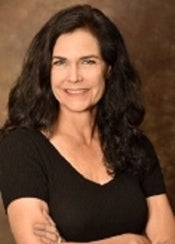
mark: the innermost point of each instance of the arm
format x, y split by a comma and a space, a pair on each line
123, 239
160, 228
161, 222
42, 230
23, 213
46, 230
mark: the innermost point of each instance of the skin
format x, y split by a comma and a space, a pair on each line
78, 82
78, 72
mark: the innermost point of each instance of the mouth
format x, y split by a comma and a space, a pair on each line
77, 91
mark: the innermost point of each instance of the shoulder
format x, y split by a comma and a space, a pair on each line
142, 146
150, 154
19, 133
142, 141
152, 179
23, 170
22, 138
21, 145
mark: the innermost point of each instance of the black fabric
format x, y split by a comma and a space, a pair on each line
82, 210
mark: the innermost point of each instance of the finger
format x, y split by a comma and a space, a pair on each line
52, 237
48, 236
44, 241
39, 226
48, 232
39, 232
45, 227
47, 241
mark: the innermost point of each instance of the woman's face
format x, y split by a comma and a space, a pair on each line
78, 71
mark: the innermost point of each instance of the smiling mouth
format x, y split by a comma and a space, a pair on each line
76, 91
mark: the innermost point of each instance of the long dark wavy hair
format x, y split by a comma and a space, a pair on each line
120, 111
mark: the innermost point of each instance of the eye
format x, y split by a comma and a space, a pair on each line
58, 62
89, 61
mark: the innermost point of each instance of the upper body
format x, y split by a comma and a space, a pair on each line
81, 157
114, 206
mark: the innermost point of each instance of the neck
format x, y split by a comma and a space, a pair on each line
81, 126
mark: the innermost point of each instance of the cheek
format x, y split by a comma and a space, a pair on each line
55, 83
98, 76
101, 79
102, 82
100, 85
55, 79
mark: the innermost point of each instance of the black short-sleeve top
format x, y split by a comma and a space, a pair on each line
30, 166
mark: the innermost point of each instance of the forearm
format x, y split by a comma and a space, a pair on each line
51, 234
119, 239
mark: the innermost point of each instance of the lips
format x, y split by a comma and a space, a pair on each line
77, 91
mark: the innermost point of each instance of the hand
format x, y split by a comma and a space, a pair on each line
48, 231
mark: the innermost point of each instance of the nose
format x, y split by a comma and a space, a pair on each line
74, 74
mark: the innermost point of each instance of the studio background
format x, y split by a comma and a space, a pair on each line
148, 27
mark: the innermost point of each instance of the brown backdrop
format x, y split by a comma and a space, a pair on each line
149, 32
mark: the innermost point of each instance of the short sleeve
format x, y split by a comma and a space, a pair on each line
152, 180
21, 171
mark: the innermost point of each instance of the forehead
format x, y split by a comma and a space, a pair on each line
78, 41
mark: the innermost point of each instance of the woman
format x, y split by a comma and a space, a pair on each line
75, 166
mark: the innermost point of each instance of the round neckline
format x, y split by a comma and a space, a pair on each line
73, 169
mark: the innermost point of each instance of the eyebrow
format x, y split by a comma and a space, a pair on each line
58, 57
83, 57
